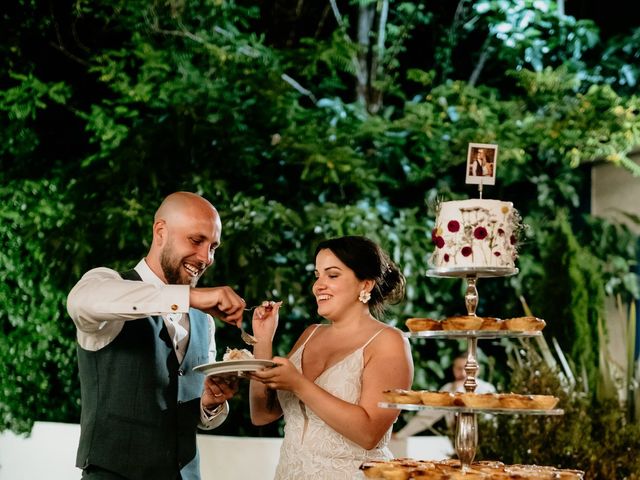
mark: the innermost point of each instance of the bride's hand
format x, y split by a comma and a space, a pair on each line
265, 320
284, 376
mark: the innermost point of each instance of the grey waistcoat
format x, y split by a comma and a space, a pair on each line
140, 409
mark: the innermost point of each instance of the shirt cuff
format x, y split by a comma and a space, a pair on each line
176, 298
210, 419
157, 300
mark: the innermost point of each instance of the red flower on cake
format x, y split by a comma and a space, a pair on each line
497, 254
500, 232
480, 233
434, 234
466, 251
446, 257
453, 226
439, 241
513, 239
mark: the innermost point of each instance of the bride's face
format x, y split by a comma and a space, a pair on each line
336, 287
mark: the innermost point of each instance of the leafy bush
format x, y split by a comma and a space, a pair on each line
128, 101
38, 371
593, 435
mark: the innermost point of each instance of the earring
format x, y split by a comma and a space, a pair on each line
364, 296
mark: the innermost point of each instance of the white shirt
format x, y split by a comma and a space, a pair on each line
102, 301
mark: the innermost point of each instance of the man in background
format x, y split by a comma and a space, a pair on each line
425, 419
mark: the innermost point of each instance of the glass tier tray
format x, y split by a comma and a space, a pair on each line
484, 272
508, 411
471, 333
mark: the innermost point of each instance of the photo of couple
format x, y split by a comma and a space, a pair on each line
481, 163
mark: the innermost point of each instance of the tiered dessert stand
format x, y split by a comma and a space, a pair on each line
466, 437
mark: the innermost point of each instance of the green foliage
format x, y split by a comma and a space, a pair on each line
617, 246
38, 373
19, 107
128, 101
533, 34
612, 122
593, 436
573, 297
619, 66
619, 375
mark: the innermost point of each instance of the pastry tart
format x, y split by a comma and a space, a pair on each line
402, 396
436, 399
462, 322
480, 400
524, 324
423, 324
491, 323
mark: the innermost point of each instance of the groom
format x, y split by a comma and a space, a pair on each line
140, 333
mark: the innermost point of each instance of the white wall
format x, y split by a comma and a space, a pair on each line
49, 453
614, 193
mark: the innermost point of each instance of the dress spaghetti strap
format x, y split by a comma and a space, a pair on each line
318, 325
371, 339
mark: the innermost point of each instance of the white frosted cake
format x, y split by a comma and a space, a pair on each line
237, 354
476, 233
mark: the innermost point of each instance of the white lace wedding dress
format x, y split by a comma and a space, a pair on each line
311, 450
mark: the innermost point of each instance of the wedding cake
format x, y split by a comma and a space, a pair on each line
475, 233
237, 354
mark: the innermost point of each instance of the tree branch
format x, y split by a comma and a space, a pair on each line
382, 29
336, 13
361, 73
299, 87
486, 50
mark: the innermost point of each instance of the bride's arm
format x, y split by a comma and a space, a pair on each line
263, 401
388, 365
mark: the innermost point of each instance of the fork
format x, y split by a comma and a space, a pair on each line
247, 337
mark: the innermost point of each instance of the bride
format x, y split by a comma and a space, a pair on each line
329, 386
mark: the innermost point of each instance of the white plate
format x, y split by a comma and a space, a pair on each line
233, 367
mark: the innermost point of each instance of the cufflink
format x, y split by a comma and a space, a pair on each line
174, 307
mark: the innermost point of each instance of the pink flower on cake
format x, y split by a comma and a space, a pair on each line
480, 233
466, 251
453, 226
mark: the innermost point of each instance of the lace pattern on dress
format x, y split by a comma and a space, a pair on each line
311, 450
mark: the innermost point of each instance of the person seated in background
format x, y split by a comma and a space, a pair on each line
329, 386
425, 419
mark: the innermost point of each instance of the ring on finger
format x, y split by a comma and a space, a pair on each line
217, 395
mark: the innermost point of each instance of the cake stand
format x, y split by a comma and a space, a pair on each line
466, 437
471, 275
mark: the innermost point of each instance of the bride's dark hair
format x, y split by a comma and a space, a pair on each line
369, 262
